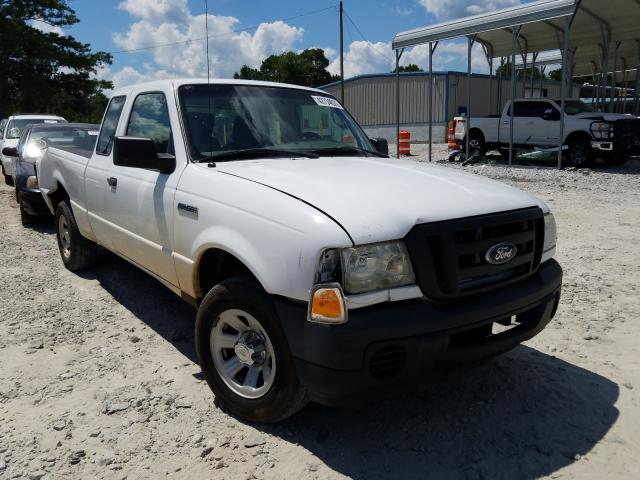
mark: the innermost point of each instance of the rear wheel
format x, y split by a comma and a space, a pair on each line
8, 179
477, 145
244, 353
580, 153
77, 252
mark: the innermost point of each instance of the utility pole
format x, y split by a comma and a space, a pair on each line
341, 57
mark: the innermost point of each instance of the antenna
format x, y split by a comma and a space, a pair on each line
206, 29
210, 113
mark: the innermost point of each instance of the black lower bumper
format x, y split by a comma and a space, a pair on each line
32, 202
393, 342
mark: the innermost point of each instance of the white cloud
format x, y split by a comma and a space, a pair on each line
172, 11
46, 28
164, 22
448, 9
364, 57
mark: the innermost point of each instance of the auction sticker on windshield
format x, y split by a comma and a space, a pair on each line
327, 102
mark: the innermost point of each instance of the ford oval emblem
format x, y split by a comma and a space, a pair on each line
501, 253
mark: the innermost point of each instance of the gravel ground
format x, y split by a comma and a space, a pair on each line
98, 376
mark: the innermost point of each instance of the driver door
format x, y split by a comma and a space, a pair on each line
140, 202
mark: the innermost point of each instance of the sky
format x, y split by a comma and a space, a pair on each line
153, 39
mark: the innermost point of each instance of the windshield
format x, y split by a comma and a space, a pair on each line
65, 136
223, 120
573, 107
15, 127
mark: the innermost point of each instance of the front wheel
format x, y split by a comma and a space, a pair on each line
580, 153
244, 353
77, 252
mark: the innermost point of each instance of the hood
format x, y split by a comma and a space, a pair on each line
382, 199
609, 117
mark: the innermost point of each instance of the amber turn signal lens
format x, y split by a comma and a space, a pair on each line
327, 306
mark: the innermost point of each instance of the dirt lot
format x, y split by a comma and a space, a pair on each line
98, 376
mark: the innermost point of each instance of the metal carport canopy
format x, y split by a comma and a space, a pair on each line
493, 28
541, 26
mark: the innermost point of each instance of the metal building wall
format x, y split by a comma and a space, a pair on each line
371, 98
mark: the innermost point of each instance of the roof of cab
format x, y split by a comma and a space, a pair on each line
35, 116
203, 81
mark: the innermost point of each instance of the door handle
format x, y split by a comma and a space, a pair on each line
112, 181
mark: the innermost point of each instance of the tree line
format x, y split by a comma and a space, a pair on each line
46, 72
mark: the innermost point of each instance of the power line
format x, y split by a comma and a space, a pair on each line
373, 46
238, 30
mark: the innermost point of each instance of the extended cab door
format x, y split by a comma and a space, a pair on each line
96, 186
529, 126
139, 206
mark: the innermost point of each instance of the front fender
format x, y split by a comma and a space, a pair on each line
277, 237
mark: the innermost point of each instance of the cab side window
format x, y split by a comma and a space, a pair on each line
109, 125
150, 119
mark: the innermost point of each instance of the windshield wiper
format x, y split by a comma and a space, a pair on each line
248, 153
346, 150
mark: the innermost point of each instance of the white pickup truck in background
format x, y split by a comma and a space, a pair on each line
588, 134
321, 269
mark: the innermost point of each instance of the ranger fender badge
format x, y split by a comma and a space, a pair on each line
501, 253
188, 208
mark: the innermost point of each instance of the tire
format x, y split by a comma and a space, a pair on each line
477, 145
77, 252
580, 154
277, 392
8, 179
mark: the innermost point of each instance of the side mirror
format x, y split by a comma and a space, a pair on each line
381, 145
137, 152
10, 151
551, 114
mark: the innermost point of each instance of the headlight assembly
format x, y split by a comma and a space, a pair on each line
372, 267
550, 233
602, 130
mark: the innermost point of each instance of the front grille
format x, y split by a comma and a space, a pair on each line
626, 134
449, 257
387, 361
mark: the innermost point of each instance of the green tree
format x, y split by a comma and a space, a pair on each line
412, 67
521, 73
308, 68
45, 71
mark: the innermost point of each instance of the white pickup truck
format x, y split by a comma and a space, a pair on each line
321, 269
588, 134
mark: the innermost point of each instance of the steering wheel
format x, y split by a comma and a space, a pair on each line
310, 136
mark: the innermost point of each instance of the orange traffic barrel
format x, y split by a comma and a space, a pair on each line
405, 142
451, 136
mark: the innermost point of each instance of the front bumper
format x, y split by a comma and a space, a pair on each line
602, 146
394, 343
32, 202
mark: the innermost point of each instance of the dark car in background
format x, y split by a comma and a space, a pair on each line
34, 141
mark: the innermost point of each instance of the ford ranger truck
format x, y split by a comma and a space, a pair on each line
321, 269
588, 134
